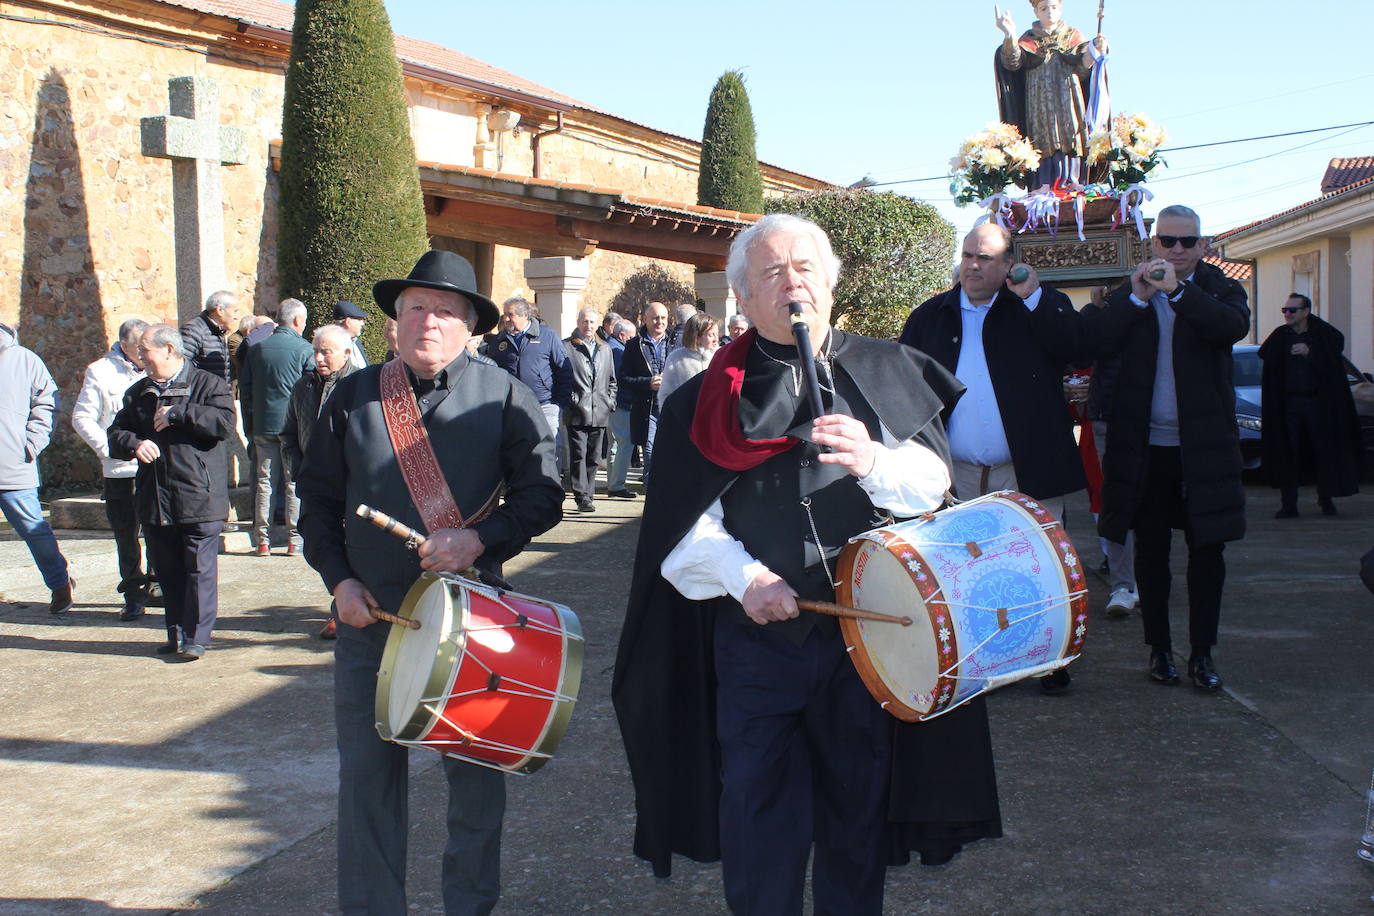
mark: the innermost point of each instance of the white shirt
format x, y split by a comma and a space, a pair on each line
976, 434
906, 479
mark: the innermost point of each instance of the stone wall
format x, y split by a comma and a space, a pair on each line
88, 239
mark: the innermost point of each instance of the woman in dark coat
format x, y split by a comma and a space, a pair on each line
1309, 419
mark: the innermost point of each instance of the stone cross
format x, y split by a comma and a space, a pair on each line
191, 136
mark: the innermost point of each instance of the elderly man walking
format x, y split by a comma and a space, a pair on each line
332, 347
269, 373
28, 398
473, 442
101, 397
589, 405
175, 422
1175, 456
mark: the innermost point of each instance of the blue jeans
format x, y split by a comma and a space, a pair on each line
620, 452
22, 510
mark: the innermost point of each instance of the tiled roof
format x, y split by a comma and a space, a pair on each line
275, 15
1361, 185
632, 200
1342, 173
1236, 270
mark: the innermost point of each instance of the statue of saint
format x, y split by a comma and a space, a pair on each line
1042, 87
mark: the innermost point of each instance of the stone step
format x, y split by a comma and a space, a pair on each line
87, 513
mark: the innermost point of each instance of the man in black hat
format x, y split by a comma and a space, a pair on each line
351, 318
495, 453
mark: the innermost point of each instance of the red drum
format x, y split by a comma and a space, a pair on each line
490, 677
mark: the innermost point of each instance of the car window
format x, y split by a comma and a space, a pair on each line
1246, 369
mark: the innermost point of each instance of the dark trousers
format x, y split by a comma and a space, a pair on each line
187, 561
373, 815
584, 448
1163, 506
118, 495
805, 760
1303, 418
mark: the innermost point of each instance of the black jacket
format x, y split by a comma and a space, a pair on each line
302, 410
593, 384
207, 346
1027, 354
189, 483
637, 369
1337, 444
1211, 315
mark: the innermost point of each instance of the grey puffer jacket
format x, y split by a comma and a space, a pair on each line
28, 400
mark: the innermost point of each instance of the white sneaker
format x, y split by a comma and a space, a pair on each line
1121, 603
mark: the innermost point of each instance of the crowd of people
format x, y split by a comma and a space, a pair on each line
751, 737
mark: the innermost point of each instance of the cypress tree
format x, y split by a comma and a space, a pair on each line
730, 176
351, 208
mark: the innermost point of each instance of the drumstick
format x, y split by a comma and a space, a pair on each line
414, 539
844, 610
406, 622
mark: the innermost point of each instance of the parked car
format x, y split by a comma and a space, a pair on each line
1246, 370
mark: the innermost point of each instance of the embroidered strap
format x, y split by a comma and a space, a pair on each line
415, 454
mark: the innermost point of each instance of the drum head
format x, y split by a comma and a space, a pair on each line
897, 663
417, 664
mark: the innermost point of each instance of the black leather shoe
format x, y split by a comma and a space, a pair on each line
1327, 507
1162, 667
133, 609
1204, 673
1286, 512
1057, 681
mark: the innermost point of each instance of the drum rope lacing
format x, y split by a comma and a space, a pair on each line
1052, 605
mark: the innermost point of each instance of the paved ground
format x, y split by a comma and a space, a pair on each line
129, 784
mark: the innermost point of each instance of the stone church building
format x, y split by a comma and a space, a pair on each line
107, 217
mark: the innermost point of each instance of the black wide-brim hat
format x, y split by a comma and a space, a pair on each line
446, 271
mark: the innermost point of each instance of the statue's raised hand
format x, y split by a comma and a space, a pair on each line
1005, 22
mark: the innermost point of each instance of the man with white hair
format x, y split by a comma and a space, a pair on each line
101, 397
590, 403
461, 451
772, 751
270, 371
736, 326
174, 422
206, 335
621, 443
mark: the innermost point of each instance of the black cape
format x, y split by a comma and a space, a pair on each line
1337, 450
944, 790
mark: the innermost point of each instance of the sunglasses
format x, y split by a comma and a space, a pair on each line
1288, 310
1169, 241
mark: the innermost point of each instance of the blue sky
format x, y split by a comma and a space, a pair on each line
888, 89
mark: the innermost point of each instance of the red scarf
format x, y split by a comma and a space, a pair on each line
716, 429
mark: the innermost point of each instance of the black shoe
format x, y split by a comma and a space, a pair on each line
1056, 681
61, 601
1287, 512
1327, 506
620, 494
586, 505
170, 647
133, 609
1162, 667
1204, 673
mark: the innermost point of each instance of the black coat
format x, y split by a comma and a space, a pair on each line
637, 369
1027, 354
302, 410
1210, 316
944, 790
207, 346
1337, 444
189, 483
592, 397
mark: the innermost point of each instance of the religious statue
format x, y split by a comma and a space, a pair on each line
1044, 80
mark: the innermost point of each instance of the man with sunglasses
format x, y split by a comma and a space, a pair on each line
1309, 421
1175, 456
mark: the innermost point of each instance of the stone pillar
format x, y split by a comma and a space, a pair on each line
714, 290
558, 285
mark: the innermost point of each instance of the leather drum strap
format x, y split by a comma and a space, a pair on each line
414, 453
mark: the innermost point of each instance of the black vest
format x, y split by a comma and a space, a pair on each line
764, 506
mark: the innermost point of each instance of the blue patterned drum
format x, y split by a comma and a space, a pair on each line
996, 592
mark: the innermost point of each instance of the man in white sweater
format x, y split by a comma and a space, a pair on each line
102, 394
